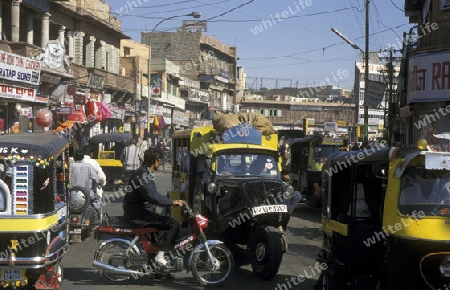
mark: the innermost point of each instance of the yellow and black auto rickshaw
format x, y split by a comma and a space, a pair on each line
307, 156
33, 209
106, 150
386, 219
233, 178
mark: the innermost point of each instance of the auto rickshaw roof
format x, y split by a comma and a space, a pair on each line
305, 139
111, 137
369, 155
33, 144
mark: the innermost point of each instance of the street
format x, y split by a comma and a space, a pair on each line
303, 234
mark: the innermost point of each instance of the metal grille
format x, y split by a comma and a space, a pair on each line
262, 192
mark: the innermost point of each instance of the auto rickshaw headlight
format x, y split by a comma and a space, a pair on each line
290, 189
421, 144
288, 192
445, 267
212, 187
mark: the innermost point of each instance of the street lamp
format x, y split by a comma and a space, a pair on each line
366, 69
193, 14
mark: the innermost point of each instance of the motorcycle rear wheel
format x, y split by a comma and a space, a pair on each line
113, 254
201, 266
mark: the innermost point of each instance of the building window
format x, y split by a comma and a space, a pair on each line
126, 51
444, 4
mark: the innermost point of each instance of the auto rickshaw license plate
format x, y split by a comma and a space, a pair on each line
269, 209
12, 274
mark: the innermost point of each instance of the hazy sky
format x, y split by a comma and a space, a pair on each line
286, 40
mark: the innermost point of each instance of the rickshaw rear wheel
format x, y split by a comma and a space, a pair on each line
266, 252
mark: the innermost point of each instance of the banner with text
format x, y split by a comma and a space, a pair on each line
18, 68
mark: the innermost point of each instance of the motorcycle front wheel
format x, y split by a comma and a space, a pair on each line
114, 254
203, 270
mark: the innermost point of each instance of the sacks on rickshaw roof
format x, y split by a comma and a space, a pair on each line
222, 122
259, 122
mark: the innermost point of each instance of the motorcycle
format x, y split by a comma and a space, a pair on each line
131, 251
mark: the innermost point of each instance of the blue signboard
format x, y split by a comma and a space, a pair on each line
63, 110
243, 133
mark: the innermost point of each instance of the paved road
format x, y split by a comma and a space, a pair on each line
304, 238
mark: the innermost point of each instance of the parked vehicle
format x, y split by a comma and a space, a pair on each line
246, 204
385, 219
307, 156
106, 150
130, 252
33, 210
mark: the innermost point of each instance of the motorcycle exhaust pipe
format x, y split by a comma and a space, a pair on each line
129, 272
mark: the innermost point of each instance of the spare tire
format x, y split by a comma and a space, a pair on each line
79, 199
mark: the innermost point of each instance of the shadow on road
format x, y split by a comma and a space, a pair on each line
90, 276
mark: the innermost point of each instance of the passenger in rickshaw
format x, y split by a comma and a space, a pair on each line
416, 189
84, 175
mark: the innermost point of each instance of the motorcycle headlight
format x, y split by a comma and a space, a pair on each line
445, 267
212, 187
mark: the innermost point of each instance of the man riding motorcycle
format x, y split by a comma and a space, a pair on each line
141, 201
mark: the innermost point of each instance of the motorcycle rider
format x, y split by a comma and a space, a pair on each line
83, 174
141, 201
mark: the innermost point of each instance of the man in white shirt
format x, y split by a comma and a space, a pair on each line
98, 169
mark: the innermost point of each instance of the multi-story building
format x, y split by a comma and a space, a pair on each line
287, 107
77, 44
425, 90
208, 70
165, 99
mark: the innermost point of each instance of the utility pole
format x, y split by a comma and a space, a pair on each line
366, 77
392, 102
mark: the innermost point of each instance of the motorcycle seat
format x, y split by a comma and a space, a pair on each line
120, 222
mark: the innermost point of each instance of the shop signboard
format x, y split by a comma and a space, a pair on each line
17, 68
18, 93
428, 77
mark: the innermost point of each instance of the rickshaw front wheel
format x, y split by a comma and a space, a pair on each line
266, 252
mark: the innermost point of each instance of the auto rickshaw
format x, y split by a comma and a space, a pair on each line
106, 150
233, 178
307, 156
386, 219
33, 210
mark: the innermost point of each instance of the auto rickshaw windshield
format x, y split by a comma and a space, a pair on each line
245, 164
425, 190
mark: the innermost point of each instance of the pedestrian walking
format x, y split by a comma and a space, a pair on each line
130, 157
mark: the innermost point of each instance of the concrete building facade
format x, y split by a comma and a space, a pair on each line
208, 70
77, 43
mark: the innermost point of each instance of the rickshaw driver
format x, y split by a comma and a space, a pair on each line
222, 166
140, 203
